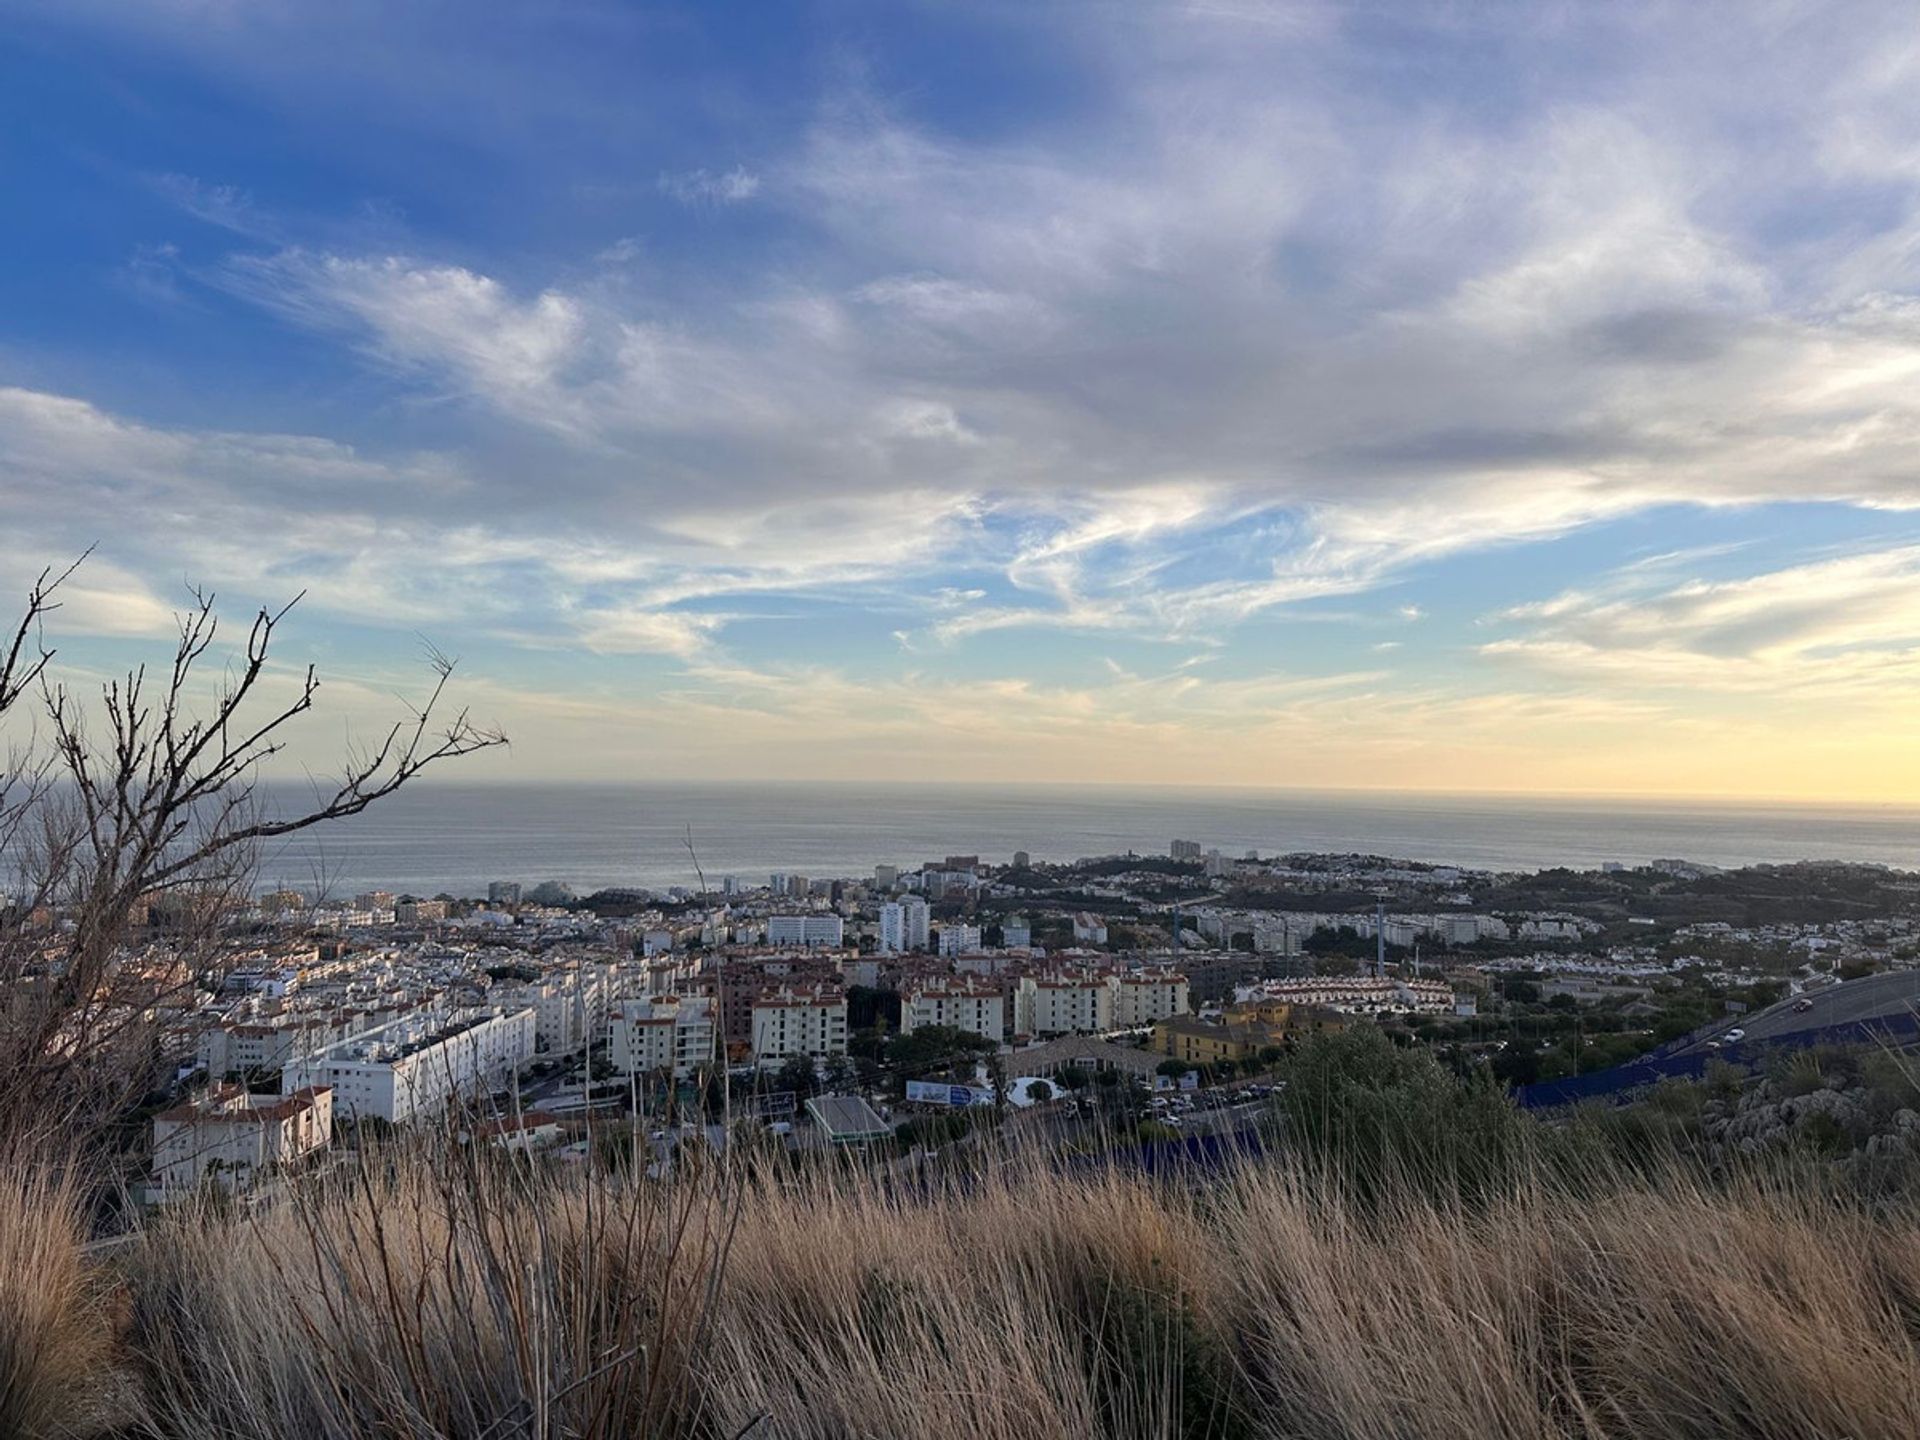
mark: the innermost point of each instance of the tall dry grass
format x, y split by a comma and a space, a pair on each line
56, 1344
435, 1293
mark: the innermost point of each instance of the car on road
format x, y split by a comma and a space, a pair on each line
1734, 1036
1803, 1004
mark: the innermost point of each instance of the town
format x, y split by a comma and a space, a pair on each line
1132, 998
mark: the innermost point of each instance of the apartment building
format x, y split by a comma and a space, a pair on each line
893, 928
665, 1034
1063, 1003
414, 1067
787, 1022
569, 1006
978, 1007
1142, 997
958, 939
808, 931
916, 919
229, 1137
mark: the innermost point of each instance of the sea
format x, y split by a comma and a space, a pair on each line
456, 838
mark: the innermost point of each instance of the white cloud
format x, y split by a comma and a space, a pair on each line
226, 206
1847, 624
514, 354
704, 187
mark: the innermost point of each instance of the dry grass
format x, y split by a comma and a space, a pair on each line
440, 1297
55, 1334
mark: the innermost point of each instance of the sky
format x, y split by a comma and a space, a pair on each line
1415, 396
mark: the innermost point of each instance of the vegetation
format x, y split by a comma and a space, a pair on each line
442, 1292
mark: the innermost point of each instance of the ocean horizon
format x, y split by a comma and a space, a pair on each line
456, 837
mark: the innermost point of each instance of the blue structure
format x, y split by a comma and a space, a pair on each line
1665, 1063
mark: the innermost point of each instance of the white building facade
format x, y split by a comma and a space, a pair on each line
799, 1022
809, 931
415, 1067
978, 1008
667, 1034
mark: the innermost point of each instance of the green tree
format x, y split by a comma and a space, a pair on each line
797, 1074
1378, 1115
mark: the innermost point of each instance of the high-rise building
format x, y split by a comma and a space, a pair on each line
917, 922
885, 877
893, 928
503, 892
1021, 860
1185, 850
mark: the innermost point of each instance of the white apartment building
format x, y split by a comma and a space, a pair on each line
811, 931
1068, 1003
1016, 933
1281, 939
971, 1005
893, 928
223, 1049
916, 918
1145, 997
1089, 929
956, 939
569, 1007
667, 1033
232, 1136
414, 1067
1343, 992
1075, 1002
799, 1022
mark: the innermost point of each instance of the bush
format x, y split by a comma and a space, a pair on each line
1376, 1114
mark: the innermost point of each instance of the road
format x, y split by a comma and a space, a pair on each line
1870, 998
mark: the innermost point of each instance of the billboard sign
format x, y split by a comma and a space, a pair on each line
938, 1092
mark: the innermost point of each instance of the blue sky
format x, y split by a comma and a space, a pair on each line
1433, 396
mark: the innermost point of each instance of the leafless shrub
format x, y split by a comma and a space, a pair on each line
145, 805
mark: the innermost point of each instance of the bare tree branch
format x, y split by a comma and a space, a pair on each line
154, 805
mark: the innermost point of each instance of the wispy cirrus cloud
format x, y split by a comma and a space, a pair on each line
706, 187
1232, 313
1841, 625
